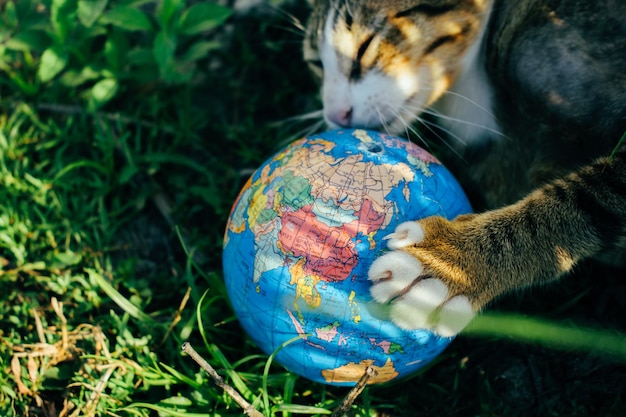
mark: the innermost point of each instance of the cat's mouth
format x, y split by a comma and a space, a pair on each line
392, 124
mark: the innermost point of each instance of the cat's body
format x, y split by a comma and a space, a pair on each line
531, 93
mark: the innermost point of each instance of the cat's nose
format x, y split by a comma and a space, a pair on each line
340, 117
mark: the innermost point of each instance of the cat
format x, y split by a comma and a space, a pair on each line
532, 94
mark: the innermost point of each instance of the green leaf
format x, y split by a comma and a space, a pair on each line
178, 401
90, 10
73, 78
162, 411
166, 10
201, 17
65, 259
127, 173
116, 49
9, 17
62, 14
28, 40
128, 307
103, 91
200, 50
134, 3
163, 50
301, 409
619, 144
26, 86
53, 61
127, 18
141, 56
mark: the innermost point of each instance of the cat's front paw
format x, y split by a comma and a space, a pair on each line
421, 289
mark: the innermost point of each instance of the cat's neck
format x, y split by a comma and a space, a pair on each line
466, 109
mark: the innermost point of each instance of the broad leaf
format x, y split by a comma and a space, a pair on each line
9, 16
201, 17
200, 50
73, 78
53, 61
127, 18
28, 40
164, 48
90, 10
116, 49
167, 9
103, 91
62, 15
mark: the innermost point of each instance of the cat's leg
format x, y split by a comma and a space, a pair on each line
439, 273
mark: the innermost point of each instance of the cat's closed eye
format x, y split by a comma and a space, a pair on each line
357, 65
426, 9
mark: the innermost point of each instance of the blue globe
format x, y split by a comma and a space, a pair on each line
299, 242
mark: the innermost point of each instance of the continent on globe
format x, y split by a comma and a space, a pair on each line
352, 372
300, 239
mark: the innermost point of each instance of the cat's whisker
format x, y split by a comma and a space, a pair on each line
296, 24
288, 41
409, 129
304, 132
420, 110
315, 114
461, 121
384, 125
469, 100
433, 127
292, 123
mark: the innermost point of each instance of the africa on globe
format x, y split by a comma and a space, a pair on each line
301, 237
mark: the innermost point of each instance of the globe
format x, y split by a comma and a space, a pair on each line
299, 241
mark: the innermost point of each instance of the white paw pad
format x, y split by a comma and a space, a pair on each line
406, 234
414, 310
391, 274
454, 315
425, 307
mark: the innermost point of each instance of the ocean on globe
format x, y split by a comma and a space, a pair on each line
300, 239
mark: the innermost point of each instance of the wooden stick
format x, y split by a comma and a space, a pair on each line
248, 409
354, 392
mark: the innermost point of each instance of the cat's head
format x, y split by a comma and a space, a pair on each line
383, 61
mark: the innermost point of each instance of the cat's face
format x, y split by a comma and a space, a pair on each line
383, 61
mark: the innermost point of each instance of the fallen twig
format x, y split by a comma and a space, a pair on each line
354, 392
248, 409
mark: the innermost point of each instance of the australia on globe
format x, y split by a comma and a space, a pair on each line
300, 239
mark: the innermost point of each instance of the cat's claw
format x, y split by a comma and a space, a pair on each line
406, 234
417, 300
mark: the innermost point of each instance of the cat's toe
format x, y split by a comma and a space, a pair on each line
417, 301
453, 316
406, 234
392, 274
426, 306
417, 307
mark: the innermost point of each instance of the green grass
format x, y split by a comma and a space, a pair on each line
119, 161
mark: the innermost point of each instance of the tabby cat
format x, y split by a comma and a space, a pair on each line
532, 94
